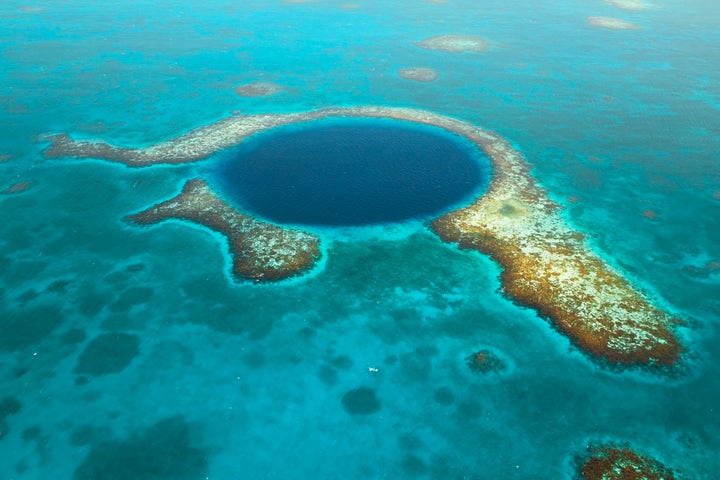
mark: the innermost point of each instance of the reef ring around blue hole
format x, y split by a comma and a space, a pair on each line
351, 172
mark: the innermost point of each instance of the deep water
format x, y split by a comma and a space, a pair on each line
130, 352
352, 172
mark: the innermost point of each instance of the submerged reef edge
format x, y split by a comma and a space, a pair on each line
547, 265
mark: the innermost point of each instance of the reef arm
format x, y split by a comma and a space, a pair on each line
197, 144
261, 251
550, 267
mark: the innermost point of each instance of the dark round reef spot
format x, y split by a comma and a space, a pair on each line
164, 451
361, 401
108, 353
347, 172
26, 326
9, 406
444, 396
484, 361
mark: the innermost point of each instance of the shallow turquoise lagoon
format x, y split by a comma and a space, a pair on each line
130, 353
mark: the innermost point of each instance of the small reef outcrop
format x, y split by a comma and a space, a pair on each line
16, 188
258, 89
617, 462
485, 361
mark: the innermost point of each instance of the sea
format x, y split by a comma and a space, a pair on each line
132, 352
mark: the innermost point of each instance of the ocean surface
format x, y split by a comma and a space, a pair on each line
132, 353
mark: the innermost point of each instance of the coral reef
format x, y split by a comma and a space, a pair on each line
258, 89
484, 361
260, 251
108, 353
547, 265
164, 451
16, 188
361, 401
615, 462
8, 406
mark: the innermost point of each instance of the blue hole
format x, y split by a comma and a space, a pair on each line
351, 172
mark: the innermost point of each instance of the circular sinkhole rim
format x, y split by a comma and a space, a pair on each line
466, 146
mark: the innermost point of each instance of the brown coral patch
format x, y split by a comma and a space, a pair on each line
16, 188
549, 267
639, 334
260, 251
649, 214
612, 462
258, 89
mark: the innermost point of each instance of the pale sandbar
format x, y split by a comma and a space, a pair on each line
611, 23
629, 5
454, 43
418, 74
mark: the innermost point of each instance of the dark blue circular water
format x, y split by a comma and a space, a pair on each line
354, 172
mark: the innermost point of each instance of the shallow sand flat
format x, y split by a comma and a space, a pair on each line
453, 43
258, 89
547, 264
419, 74
630, 5
611, 23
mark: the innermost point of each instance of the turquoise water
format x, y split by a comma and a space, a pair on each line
128, 352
